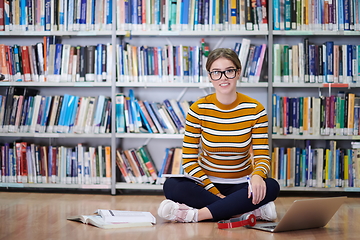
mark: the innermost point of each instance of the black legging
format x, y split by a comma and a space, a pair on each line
183, 190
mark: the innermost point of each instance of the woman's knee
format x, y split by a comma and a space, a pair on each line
273, 186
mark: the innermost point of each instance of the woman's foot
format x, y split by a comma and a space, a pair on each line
266, 212
173, 211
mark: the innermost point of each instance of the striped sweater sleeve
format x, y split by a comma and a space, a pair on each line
260, 143
191, 146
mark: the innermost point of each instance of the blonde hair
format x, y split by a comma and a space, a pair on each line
222, 53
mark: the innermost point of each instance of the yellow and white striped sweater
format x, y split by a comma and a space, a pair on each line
218, 139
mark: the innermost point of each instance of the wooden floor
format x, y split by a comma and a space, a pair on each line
43, 216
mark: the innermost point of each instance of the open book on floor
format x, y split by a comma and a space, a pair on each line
108, 219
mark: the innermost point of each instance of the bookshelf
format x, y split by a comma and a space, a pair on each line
158, 91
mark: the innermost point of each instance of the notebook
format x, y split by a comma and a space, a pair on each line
305, 214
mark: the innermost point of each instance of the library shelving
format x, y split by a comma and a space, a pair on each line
155, 34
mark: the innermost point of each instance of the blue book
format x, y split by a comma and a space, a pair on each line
134, 111
349, 58
330, 61
312, 63
153, 116
98, 62
197, 14
287, 18
109, 6
71, 103
119, 113
47, 18
74, 167
63, 111
17, 73
23, 15
167, 150
143, 118
94, 11
254, 62
355, 63
12, 164
82, 20
73, 110
127, 11
347, 14
303, 165
281, 169
297, 167
173, 115
6, 16
145, 51
57, 62
98, 113
160, 61
46, 114
29, 114
276, 14
158, 116
184, 16
156, 12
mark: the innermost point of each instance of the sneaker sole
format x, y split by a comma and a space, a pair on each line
162, 206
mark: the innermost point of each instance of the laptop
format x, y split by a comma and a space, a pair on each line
305, 214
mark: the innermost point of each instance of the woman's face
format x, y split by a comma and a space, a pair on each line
218, 70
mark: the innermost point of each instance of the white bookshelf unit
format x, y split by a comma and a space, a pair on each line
158, 91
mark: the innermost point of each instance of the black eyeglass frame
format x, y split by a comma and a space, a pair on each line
223, 73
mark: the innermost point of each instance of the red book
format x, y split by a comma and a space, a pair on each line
19, 167
24, 170
25, 63
53, 163
264, 12
4, 62
156, 62
9, 61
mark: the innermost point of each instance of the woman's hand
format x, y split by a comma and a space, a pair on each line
258, 189
220, 195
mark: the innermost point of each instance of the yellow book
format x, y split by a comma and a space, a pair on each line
177, 161
108, 164
135, 64
350, 110
233, 12
326, 167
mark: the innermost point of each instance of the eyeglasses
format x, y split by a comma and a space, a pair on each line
217, 75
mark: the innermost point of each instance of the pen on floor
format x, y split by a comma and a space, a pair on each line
248, 180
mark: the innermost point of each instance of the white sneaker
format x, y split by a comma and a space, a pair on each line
266, 212
173, 211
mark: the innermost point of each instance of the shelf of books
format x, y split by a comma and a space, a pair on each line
54, 33
56, 84
193, 33
185, 85
68, 49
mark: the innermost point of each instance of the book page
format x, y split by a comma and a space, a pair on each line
126, 216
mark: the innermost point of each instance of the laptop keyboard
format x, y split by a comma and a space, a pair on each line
270, 227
